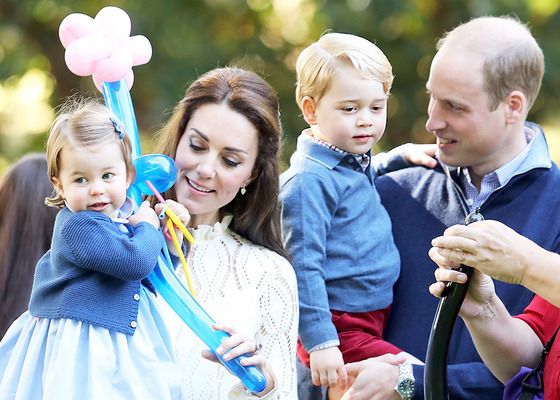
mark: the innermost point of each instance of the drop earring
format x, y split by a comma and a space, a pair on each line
243, 190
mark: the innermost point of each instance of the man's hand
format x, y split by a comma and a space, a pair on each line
374, 378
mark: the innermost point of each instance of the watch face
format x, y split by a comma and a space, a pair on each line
406, 387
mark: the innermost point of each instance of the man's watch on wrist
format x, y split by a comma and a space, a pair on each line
405, 383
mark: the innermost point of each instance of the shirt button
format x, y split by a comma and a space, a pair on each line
133, 324
136, 297
470, 202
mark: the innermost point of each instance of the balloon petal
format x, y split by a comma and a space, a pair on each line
82, 54
97, 82
115, 23
76, 26
140, 48
114, 68
129, 79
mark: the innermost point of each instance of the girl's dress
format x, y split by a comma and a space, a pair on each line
253, 289
93, 330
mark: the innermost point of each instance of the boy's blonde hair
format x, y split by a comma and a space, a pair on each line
317, 63
83, 122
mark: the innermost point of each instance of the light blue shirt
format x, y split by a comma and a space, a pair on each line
500, 177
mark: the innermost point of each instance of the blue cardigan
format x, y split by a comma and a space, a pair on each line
422, 203
93, 271
339, 237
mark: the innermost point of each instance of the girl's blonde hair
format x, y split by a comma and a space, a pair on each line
317, 64
84, 122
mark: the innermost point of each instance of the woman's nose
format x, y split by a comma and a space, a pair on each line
205, 168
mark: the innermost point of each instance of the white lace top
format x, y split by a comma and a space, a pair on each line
253, 289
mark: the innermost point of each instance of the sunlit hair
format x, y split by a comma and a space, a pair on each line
83, 122
318, 62
25, 232
512, 57
256, 215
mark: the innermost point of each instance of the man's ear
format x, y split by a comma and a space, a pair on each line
308, 108
516, 104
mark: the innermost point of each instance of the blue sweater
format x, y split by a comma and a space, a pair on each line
422, 203
93, 271
339, 237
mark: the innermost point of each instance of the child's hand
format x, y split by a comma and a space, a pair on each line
420, 154
236, 345
181, 212
145, 214
327, 367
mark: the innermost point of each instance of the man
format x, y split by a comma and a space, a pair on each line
483, 80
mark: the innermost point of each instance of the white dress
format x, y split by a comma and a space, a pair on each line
65, 359
253, 289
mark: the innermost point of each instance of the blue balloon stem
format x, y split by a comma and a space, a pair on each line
176, 295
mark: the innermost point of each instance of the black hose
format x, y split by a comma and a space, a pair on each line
435, 370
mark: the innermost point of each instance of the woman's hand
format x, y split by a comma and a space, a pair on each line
238, 344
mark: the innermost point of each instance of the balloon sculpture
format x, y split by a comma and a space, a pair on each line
435, 372
103, 48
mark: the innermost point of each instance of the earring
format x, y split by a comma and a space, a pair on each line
243, 190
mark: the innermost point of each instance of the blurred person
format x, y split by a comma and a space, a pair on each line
26, 227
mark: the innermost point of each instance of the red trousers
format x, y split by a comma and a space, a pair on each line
360, 336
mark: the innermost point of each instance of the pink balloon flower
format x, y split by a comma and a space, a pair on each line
102, 46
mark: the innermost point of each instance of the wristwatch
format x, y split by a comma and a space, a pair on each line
405, 384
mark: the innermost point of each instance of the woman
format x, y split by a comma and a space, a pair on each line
225, 137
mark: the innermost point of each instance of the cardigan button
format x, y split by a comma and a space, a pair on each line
133, 324
136, 297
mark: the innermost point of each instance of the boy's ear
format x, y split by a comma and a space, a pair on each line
308, 106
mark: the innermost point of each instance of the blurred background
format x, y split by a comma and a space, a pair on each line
190, 37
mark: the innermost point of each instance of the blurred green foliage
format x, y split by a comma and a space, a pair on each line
191, 37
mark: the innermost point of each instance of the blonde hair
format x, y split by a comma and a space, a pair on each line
512, 58
317, 63
83, 122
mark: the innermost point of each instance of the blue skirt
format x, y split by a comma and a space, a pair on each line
68, 359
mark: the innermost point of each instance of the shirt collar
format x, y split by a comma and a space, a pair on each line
363, 159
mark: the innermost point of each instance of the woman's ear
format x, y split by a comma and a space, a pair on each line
250, 178
308, 108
